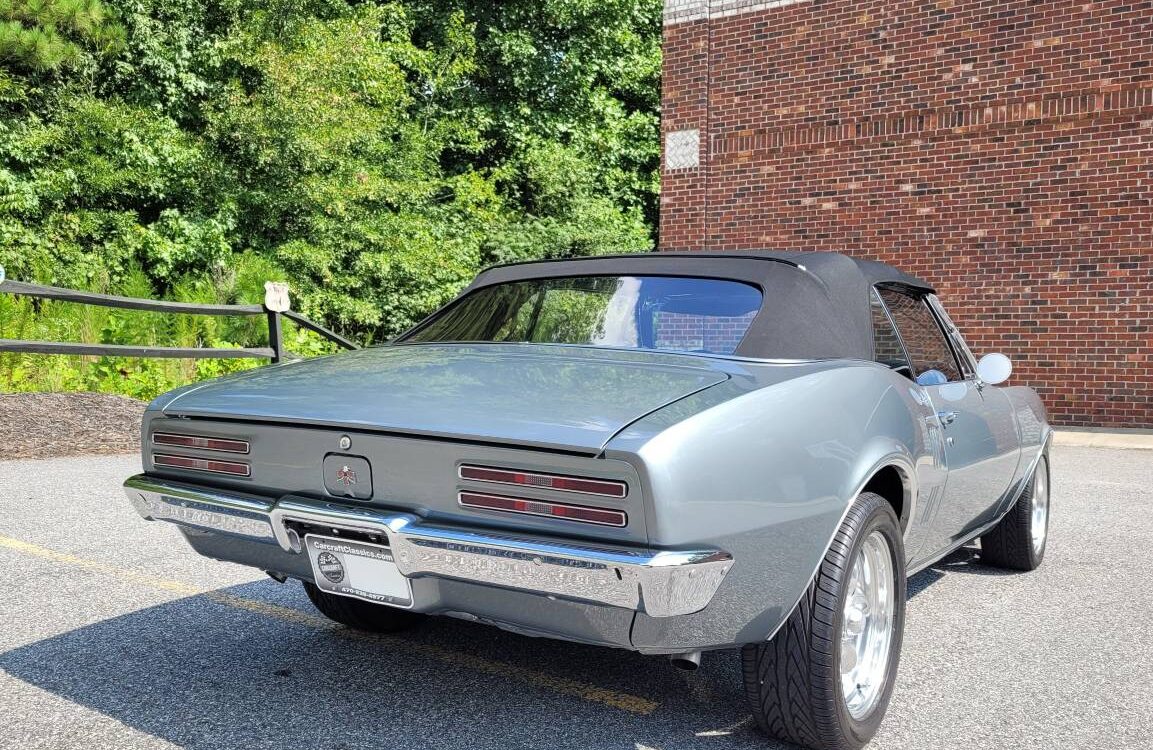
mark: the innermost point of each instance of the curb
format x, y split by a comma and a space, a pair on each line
1083, 438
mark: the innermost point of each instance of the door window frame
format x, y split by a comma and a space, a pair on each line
961, 351
937, 314
877, 299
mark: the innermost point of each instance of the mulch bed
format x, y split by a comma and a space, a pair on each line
45, 425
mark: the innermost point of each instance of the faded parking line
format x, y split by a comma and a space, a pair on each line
616, 699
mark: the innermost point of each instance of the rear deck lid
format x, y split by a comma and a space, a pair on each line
559, 397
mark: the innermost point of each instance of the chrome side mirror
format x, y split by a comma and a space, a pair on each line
994, 369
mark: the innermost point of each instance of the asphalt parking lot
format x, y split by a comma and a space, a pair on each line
114, 635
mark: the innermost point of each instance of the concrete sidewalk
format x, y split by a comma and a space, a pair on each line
1088, 437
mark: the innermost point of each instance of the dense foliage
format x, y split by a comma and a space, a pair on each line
375, 155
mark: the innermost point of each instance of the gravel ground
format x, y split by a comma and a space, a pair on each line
48, 425
114, 634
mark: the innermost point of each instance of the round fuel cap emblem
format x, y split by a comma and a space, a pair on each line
345, 442
330, 566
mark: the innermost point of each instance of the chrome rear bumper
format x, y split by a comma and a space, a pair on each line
660, 583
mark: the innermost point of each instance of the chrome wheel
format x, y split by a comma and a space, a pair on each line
867, 626
1039, 516
825, 678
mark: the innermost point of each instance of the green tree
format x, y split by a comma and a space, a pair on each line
375, 155
567, 96
47, 35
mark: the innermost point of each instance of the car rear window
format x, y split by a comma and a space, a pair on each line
709, 316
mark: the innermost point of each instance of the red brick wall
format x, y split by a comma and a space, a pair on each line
684, 105
710, 333
1001, 150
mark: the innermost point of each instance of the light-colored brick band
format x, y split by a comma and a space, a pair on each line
679, 11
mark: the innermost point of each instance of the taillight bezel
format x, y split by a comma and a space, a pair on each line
463, 497
500, 475
201, 464
201, 443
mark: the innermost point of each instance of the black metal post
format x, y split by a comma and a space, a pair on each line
275, 336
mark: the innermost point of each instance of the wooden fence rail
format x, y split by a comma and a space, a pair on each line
274, 309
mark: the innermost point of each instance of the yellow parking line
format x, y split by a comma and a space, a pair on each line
98, 567
631, 703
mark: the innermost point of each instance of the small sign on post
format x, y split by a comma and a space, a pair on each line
275, 296
275, 303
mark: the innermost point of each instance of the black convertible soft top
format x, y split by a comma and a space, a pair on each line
816, 305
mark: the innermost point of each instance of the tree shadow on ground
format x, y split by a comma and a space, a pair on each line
203, 673
254, 666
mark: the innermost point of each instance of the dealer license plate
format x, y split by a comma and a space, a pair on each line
362, 571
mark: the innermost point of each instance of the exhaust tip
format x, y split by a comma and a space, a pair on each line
294, 541
686, 662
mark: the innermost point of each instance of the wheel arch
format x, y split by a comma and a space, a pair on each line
886, 466
897, 483
895, 465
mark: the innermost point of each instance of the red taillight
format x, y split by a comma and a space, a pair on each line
222, 445
582, 513
602, 487
201, 464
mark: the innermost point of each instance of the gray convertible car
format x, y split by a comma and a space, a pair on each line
665, 453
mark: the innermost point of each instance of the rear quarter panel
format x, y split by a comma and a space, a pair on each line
1032, 418
1033, 431
767, 476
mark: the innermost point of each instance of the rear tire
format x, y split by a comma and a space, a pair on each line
802, 685
1018, 542
361, 615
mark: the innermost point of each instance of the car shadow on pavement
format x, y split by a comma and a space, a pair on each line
966, 560
236, 668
